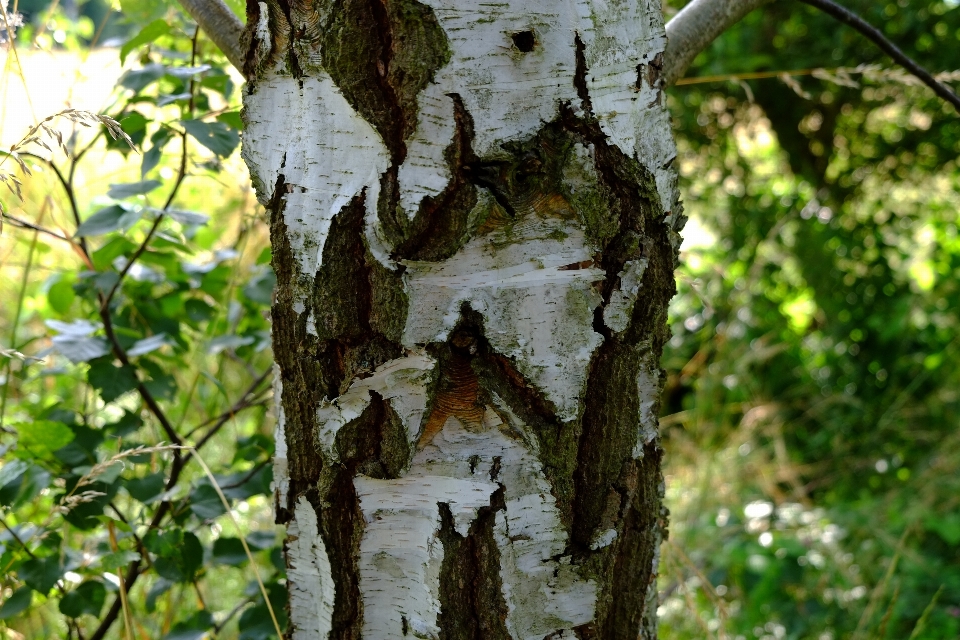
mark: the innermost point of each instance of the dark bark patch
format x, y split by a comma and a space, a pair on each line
472, 606
381, 55
440, 227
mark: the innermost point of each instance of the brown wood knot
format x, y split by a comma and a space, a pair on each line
456, 396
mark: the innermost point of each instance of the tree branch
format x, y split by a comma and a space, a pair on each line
220, 24
695, 27
873, 34
702, 21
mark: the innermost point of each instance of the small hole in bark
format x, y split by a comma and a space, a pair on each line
524, 41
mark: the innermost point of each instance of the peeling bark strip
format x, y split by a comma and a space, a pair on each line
474, 224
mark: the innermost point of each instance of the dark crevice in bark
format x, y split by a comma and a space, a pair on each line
472, 606
440, 227
557, 441
613, 490
375, 444
396, 144
341, 525
381, 55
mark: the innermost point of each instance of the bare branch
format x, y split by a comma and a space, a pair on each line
702, 21
874, 35
220, 24
695, 27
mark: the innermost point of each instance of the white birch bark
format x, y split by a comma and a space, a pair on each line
535, 283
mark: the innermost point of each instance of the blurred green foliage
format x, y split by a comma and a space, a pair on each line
811, 410
135, 336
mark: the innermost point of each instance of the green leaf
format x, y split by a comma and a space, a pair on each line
129, 189
145, 346
87, 598
205, 502
110, 380
112, 218
35, 480
194, 628
61, 296
160, 587
43, 437
231, 119
129, 423
41, 574
260, 540
16, 603
151, 157
162, 387
118, 560
182, 555
139, 79
261, 286
105, 255
189, 218
215, 136
148, 488
11, 478
147, 35
229, 551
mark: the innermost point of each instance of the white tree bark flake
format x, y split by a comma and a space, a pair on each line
327, 154
309, 576
536, 310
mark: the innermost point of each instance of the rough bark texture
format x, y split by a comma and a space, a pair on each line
474, 226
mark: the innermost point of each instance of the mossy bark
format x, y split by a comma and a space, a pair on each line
341, 324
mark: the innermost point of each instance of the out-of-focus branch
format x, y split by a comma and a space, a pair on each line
874, 35
702, 21
695, 27
220, 24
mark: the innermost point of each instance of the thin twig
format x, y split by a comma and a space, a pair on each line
851, 19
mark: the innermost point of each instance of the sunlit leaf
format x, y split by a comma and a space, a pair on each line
146, 35
43, 437
129, 189
112, 218
215, 136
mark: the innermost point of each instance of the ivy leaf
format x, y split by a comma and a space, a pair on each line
43, 437
16, 603
117, 216
215, 136
129, 189
87, 598
147, 35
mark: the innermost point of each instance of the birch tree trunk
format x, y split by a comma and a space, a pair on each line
474, 223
